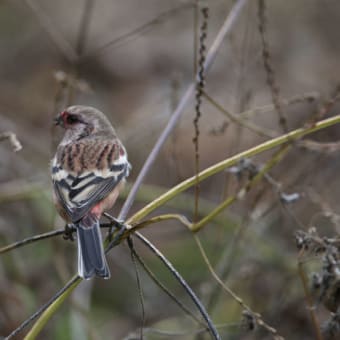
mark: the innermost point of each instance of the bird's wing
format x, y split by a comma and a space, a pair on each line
78, 191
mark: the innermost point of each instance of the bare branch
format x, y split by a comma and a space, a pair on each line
43, 308
59, 41
180, 279
138, 31
200, 83
84, 27
166, 290
256, 316
225, 29
267, 63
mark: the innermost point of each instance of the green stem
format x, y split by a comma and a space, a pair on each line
230, 200
50, 311
272, 143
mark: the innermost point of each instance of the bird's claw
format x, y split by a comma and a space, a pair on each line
68, 232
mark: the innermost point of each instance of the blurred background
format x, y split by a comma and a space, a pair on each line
133, 60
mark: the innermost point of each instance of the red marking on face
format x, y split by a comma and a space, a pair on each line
63, 118
67, 120
121, 152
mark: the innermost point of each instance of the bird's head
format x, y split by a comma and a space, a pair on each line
83, 121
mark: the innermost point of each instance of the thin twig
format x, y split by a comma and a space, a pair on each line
226, 28
231, 293
84, 27
242, 192
31, 240
173, 334
40, 237
270, 73
180, 279
325, 148
43, 308
59, 41
139, 285
328, 105
236, 118
304, 97
166, 290
224, 265
138, 31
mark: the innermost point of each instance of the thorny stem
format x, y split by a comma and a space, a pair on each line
199, 92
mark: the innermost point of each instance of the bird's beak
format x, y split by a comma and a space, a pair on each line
58, 120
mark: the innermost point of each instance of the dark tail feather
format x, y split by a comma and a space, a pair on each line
91, 256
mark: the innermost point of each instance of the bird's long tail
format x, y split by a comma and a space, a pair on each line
91, 256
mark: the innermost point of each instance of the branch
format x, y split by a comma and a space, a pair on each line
31, 240
257, 316
309, 97
84, 27
238, 119
166, 290
268, 145
47, 311
180, 279
226, 28
138, 31
60, 42
230, 200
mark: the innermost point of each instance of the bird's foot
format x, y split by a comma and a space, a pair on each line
68, 232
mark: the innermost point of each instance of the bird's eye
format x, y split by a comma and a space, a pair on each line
72, 119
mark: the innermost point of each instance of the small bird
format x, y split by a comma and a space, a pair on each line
88, 172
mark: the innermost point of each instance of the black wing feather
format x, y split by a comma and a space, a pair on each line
102, 187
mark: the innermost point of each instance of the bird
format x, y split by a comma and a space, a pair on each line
88, 172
